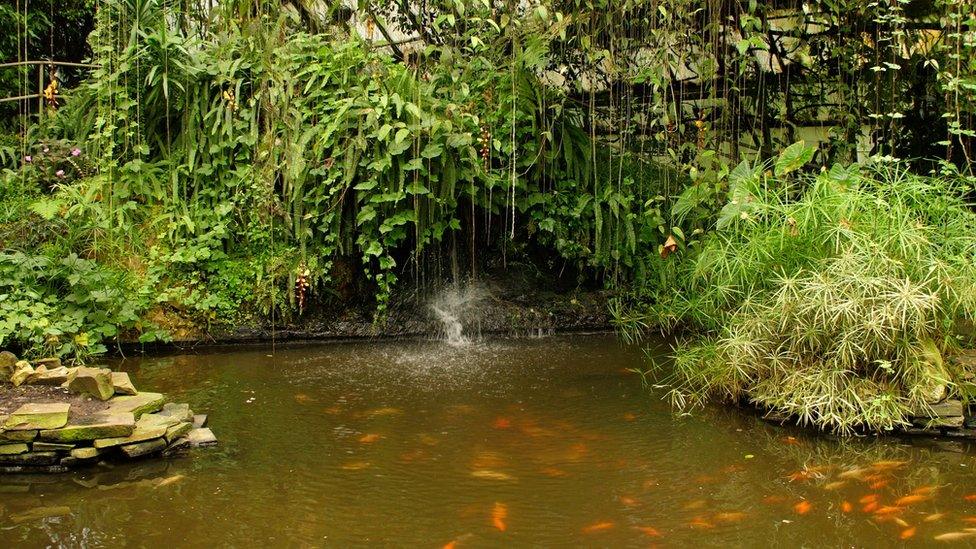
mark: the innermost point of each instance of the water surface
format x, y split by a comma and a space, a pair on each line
543, 442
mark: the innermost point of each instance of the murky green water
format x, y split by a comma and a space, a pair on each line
509, 443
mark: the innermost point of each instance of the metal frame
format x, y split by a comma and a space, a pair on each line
40, 78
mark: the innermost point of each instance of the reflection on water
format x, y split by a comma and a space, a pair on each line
537, 442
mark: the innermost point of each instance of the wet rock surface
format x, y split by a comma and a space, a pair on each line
513, 305
53, 418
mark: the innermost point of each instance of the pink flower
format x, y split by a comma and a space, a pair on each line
75, 151
59, 173
28, 159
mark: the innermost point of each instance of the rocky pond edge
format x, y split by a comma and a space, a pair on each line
54, 418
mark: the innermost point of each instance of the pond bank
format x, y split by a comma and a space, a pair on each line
500, 306
54, 418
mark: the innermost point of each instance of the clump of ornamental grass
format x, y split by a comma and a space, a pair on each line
830, 299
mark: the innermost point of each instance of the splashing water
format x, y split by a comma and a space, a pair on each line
455, 306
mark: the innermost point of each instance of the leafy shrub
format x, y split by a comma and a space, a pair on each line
828, 299
66, 307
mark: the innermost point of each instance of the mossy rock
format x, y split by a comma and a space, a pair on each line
12, 449
96, 382
137, 405
7, 362
38, 416
103, 425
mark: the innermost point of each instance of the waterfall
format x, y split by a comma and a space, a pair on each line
453, 308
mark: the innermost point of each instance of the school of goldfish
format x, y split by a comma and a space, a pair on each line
875, 492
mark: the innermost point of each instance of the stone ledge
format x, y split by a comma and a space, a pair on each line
98, 414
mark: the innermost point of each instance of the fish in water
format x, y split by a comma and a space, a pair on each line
498, 515
384, 411
907, 533
885, 465
846, 507
370, 438
501, 423
553, 472
934, 517
649, 531
356, 465
953, 536
169, 480
970, 497
852, 473
910, 499
870, 498
630, 416
731, 516
695, 504
628, 501
803, 507
700, 523
488, 474
302, 398
598, 527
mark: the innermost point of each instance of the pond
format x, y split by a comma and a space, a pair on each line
546, 442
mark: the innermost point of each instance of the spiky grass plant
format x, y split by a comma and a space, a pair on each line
829, 300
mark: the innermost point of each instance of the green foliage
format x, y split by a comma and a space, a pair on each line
66, 307
828, 299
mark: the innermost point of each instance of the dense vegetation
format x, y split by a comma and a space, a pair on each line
262, 158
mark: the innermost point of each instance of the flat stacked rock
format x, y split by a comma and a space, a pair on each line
114, 420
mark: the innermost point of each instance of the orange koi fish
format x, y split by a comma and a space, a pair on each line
970, 497
370, 438
628, 501
701, 523
630, 416
695, 504
870, 507
908, 500
791, 440
885, 465
553, 472
501, 423
970, 520
852, 473
598, 527
498, 515
870, 498
450, 545
923, 490
907, 533
888, 510
803, 507
846, 507
732, 516
953, 536
649, 531
934, 517
878, 484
